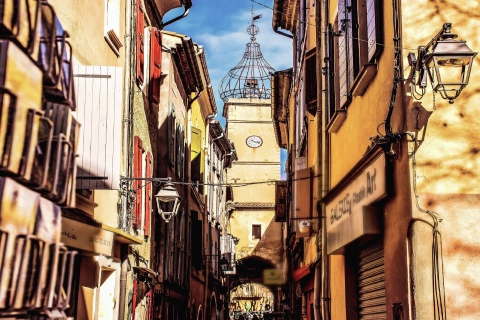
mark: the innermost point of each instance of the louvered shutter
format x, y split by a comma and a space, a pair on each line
180, 156
372, 33
171, 136
148, 194
140, 45
371, 283
155, 64
178, 151
137, 184
345, 47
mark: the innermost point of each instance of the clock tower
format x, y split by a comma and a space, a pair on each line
245, 91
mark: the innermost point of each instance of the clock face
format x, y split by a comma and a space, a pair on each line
254, 141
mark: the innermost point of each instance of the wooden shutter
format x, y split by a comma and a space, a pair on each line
148, 194
372, 31
134, 298
371, 283
311, 82
345, 53
137, 184
99, 92
171, 136
140, 45
155, 64
303, 201
280, 201
196, 154
180, 156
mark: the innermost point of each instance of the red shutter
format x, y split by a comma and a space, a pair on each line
140, 25
134, 298
148, 194
149, 305
155, 64
137, 184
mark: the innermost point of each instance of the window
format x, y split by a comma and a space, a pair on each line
358, 31
311, 82
140, 41
197, 164
112, 25
197, 241
137, 184
171, 134
256, 231
180, 156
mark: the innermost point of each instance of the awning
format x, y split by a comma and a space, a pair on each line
301, 272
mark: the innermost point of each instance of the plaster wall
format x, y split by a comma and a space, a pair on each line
447, 168
85, 23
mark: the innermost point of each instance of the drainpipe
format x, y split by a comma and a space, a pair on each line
183, 15
127, 142
325, 284
282, 33
318, 54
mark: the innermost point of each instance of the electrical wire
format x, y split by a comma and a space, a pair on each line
351, 37
437, 251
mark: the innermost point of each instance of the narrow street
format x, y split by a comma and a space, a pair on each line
234, 160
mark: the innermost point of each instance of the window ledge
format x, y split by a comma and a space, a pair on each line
337, 120
364, 79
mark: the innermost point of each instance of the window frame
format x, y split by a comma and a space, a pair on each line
256, 230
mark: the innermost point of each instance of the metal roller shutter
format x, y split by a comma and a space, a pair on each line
371, 283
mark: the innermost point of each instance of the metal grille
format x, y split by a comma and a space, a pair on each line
371, 283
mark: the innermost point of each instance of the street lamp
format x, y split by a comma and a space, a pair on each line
447, 61
168, 200
224, 264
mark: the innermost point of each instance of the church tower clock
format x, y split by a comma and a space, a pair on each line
245, 91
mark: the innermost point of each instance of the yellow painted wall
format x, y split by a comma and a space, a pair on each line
365, 112
248, 117
84, 22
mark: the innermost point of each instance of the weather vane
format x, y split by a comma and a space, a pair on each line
250, 78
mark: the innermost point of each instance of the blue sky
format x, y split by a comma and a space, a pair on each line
220, 26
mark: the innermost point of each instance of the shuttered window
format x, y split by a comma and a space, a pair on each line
140, 41
99, 97
371, 283
197, 241
148, 194
155, 65
180, 152
137, 184
359, 42
280, 201
171, 135
196, 154
311, 82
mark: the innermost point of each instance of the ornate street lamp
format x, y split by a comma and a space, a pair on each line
447, 61
168, 201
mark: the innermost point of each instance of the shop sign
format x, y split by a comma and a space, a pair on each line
86, 237
273, 276
349, 214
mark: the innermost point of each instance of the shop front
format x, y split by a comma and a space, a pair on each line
355, 239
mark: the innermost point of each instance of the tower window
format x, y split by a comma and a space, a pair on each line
256, 231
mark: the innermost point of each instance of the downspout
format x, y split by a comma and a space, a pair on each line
183, 15
325, 283
127, 144
317, 289
275, 29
